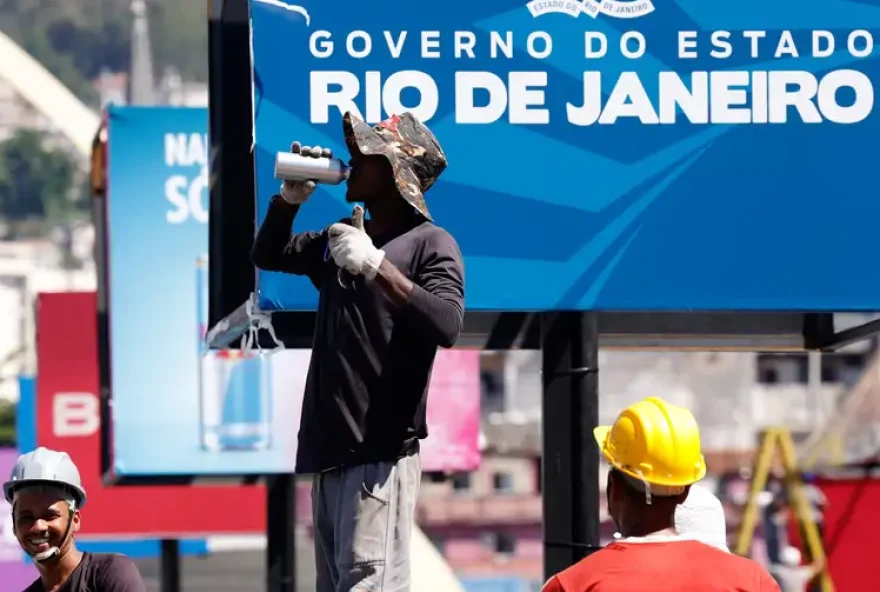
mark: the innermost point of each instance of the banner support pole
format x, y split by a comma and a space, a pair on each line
570, 465
281, 533
169, 566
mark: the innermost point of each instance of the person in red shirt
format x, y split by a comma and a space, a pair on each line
654, 451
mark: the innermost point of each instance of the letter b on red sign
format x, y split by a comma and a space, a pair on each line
75, 415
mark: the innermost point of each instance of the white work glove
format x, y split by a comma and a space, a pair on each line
297, 192
352, 249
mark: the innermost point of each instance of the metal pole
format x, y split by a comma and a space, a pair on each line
570, 467
814, 389
281, 533
231, 217
169, 566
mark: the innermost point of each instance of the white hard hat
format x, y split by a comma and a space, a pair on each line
45, 467
701, 517
790, 556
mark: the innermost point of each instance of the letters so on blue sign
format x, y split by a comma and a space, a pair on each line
603, 154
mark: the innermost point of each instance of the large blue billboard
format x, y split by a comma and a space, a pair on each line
177, 410
603, 154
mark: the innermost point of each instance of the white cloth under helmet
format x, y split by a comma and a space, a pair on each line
701, 517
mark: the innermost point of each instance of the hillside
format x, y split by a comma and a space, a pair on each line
76, 39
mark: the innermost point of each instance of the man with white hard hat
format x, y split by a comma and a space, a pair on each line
47, 495
654, 452
791, 575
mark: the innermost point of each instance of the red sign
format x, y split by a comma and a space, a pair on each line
68, 419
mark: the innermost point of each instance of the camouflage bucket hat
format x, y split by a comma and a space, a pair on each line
414, 153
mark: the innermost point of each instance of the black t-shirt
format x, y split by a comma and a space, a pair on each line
366, 392
100, 573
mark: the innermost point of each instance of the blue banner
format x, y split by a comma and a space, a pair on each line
603, 154
176, 411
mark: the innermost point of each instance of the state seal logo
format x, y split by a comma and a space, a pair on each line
626, 9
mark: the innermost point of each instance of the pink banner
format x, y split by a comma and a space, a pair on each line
453, 413
15, 574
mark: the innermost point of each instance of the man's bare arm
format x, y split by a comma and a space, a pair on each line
396, 286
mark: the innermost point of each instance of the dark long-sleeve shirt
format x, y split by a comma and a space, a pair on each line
366, 391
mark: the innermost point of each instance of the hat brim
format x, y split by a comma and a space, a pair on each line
10, 488
362, 139
601, 434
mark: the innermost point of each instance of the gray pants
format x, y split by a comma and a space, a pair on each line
363, 519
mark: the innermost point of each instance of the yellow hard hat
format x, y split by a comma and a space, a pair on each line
656, 442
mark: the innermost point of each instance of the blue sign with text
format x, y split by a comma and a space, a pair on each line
178, 410
603, 154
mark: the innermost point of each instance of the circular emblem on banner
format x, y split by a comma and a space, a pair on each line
626, 9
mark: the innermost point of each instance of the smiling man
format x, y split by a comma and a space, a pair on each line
46, 494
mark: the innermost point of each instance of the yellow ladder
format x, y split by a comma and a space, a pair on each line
772, 438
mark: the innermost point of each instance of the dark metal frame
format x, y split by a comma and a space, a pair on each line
728, 331
569, 342
839, 339
570, 411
